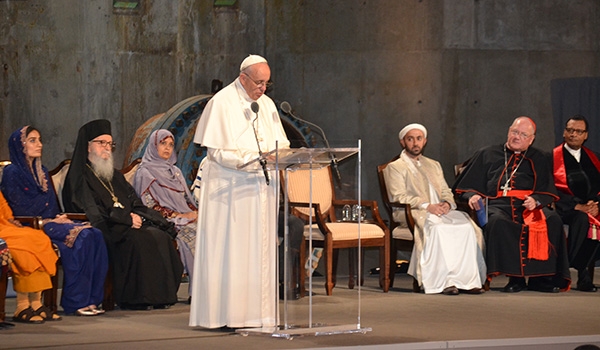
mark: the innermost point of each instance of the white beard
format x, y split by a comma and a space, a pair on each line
103, 167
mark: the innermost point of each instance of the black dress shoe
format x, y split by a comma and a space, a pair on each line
514, 285
541, 284
586, 285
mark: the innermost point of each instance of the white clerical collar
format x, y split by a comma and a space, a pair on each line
242, 92
507, 148
576, 153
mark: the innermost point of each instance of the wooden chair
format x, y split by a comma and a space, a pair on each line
327, 231
460, 203
129, 170
402, 231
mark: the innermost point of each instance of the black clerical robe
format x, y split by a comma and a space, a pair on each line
577, 183
147, 269
490, 172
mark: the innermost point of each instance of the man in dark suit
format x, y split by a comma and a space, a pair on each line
577, 179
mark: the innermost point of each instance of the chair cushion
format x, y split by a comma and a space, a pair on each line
345, 231
399, 216
402, 233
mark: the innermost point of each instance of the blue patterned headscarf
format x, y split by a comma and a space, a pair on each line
25, 182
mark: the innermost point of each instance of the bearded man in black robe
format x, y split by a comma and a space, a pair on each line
524, 237
146, 266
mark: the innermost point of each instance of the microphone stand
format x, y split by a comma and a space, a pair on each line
287, 109
262, 161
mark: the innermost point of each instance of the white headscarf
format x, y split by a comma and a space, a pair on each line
410, 127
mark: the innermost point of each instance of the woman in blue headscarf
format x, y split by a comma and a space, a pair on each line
28, 191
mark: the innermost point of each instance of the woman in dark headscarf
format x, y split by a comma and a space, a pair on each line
162, 187
29, 192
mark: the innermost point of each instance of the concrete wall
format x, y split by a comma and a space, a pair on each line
360, 69
66, 62
465, 69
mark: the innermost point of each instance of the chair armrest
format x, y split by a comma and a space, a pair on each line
31, 221
365, 202
410, 220
315, 207
318, 218
371, 204
77, 216
463, 205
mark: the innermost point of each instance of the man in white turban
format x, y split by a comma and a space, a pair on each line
235, 283
447, 254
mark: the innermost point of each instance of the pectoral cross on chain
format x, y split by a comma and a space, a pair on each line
505, 190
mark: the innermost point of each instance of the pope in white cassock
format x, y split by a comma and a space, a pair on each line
235, 263
447, 254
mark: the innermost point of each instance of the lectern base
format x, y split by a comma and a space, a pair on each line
316, 330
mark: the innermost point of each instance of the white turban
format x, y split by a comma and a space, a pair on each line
410, 127
250, 60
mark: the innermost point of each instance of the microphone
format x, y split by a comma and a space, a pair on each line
254, 106
263, 162
287, 109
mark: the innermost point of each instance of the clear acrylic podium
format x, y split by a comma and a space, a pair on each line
300, 321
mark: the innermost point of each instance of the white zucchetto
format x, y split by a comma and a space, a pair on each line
250, 60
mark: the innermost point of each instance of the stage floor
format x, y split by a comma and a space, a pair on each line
399, 319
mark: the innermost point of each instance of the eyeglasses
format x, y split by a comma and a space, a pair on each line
577, 131
261, 83
103, 143
521, 134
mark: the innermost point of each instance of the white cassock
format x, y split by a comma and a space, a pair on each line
235, 282
451, 255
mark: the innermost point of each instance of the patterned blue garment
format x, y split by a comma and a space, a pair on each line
29, 192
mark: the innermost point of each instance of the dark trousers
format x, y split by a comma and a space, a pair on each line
581, 249
296, 238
